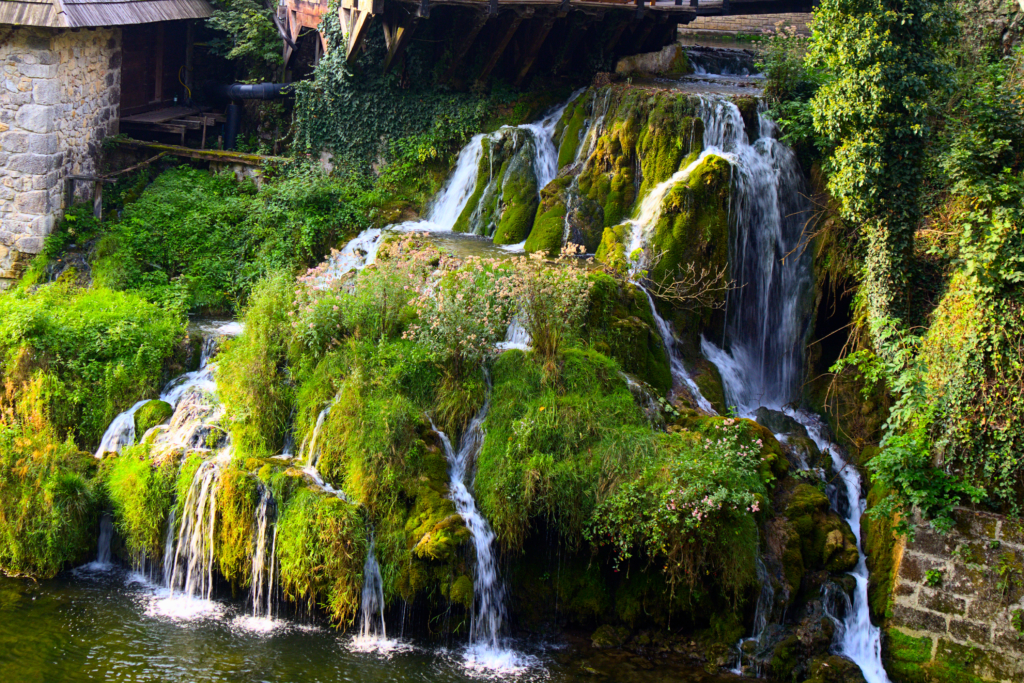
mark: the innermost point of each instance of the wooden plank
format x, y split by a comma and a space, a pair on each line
533, 48
464, 44
205, 154
360, 23
400, 34
504, 36
161, 115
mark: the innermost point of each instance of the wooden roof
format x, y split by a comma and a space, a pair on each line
90, 13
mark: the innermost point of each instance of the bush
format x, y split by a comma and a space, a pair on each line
99, 351
250, 371
141, 492
48, 507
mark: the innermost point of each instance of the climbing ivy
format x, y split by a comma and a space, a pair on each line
375, 116
883, 58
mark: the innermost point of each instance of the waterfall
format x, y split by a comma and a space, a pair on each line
371, 608
121, 431
192, 571
858, 639
446, 207
516, 336
488, 614
680, 377
264, 556
761, 359
103, 556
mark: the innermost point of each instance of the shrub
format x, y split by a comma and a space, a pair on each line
322, 546
99, 350
48, 507
141, 492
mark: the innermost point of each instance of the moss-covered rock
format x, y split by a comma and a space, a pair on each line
549, 223
150, 415
748, 110
619, 324
572, 127
505, 199
834, 669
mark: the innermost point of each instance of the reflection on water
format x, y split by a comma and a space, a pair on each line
102, 626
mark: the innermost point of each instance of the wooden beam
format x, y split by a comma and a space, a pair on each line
505, 34
359, 27
613, 39
205, 154
463, 44
533, 47
576, 32
398, 31
642, 33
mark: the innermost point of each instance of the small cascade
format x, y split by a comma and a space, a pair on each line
264, 556
858, 639
516, 337
169, 536
681, 379
488, 615
313, 453
103, 556
192, 571
371, 609
121, 431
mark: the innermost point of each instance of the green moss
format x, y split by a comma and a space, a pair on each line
484, 176
519, 200
573, 119
748, 110
879, 546
549, 223
141, 493
619, 324
672, 137
461, 592
237, 497
150, 415
709, 381
322, 548
784, 659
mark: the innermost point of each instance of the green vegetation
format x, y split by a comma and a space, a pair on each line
94, 352
141, 492
48, 505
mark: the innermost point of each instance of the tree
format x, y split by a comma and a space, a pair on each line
884, 58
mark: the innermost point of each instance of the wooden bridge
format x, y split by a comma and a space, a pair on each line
532, 27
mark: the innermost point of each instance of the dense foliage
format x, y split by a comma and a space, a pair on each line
94, 352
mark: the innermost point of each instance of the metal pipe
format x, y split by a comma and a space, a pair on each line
258, 91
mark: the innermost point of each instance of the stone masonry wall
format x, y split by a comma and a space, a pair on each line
60, 97
746, 23
958, 602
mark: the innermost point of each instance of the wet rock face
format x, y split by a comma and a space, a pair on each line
505, 199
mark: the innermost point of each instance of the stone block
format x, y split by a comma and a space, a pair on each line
1009, 640
38, 70
29, 245
35, 118
4, 127
42, 226
941, 601
36, 203
42, 143
46, 92
918, 620
975, 525
913, 567
34, 164
930, 542
984, 610
970, 631
905, 589
1012, 532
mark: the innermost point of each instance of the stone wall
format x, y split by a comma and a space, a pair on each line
998, 23
957, 609
746, 23
61, 91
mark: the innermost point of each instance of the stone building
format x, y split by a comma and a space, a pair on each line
69, 69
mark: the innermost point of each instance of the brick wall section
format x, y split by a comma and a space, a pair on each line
748, 23
60, 96
967, 609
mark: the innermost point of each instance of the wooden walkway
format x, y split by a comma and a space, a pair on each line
504, 18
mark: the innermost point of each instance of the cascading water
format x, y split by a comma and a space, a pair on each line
103, 556
264, 556
761, 360
192, 572
488, 615
449, 203
372, 628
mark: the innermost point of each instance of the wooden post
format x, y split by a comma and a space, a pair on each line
504, 36
576, 32
97, 199
464, 44
398, 32
613, 39
533, 48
